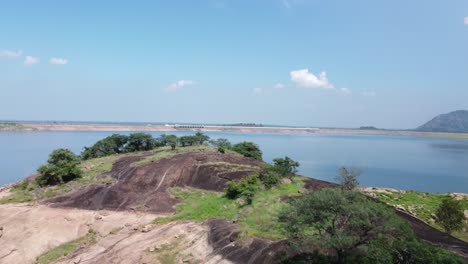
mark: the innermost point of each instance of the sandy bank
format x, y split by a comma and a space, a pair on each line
278, 130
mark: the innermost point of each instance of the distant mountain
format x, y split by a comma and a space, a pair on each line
456, 121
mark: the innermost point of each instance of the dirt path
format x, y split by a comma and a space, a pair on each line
30, 230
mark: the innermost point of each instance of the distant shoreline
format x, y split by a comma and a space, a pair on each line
20, 126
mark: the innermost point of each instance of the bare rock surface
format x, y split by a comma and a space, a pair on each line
29, 231
144, 187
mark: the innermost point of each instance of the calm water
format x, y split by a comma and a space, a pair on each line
434, 165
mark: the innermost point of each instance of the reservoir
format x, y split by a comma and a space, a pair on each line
401, 162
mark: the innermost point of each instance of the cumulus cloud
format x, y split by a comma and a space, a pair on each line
279, 86
179, 85
10, 53
306, 79
465, 20
30, 60
58, 61
369, 93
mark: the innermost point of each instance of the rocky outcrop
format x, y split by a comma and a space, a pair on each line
144, 187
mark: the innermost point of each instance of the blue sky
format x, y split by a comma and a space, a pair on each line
331, 63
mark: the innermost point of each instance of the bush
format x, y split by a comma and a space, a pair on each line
270, 177
62, 167
248, 149
347, 178
245, 188
450, 215
285, 167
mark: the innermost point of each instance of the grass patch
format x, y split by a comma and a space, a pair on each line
166, 152
421, 204
258, 219
67, 248
200, 205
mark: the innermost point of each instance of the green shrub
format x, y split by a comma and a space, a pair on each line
62, 167
270, 177
285, 167
450, 215
248, 149
245, 188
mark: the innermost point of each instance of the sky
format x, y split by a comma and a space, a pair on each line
319, 63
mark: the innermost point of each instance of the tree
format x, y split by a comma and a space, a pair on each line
450, 215
201, 138
286, 167
248, 149
140, 142
62, 167
341, 220
113, 144
347, 178
168, 140
221, 143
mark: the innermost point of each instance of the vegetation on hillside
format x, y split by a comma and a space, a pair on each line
62, 166
248, 149
355, 228
422, 205
450, 215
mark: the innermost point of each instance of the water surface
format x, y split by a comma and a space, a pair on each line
403, 162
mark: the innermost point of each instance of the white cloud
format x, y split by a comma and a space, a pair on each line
179, 85
30, 60
10, 53
279, 86
304, 78
257, 91
58, 61
369, 93
465, 20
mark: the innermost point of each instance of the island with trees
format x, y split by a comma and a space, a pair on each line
210, 200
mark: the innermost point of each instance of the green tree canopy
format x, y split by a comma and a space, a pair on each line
248, 149
62, 167
450, 215
221, 143
201, 138
341, 220
286, 167
110, 145
140, 142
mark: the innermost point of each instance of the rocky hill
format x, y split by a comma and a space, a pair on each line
159, 206
456, 122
